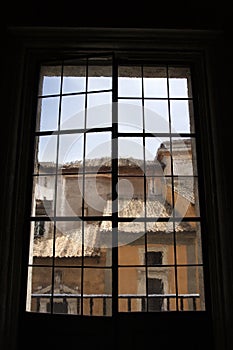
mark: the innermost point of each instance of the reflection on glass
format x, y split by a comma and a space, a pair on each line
70, 149
99, 110
98, 188
97, 291
156, 116
69, 195
129, 232
131, 148
129, 82
98, 145
130, 116
72, 112
48, 112
190, 288
74, 79
131, 197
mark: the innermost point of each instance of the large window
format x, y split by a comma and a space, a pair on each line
115, 218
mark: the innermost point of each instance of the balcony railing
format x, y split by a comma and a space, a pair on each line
152, 302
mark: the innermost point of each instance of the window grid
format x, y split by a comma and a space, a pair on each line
115, 218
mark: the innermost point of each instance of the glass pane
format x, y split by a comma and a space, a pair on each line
156, 190
74, 79
99, 110
156, 116
99, 78
180, 116
69, 195
130, 116
184, 156
39, 289
46, 147
41, 249
70, 150
131, 155
98, 243
179, 82
161, 289
43, 196
131, 197
97, 289
186, 196
48, 113
72, 112
131, 288
190, 288
98, 147
129, 82
68, 241
157, 156
188, 243
154, 82
160, 247
129, 232
50, 80
66, 291
98, 190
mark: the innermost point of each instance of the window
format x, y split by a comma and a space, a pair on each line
116, 176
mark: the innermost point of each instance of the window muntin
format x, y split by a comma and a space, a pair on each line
157, 207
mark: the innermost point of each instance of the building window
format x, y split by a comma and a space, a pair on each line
115, 140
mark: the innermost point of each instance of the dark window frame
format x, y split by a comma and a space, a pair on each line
172, 45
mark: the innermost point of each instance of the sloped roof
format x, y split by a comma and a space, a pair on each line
135, 208
69, 244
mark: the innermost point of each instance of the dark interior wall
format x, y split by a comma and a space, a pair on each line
220, 79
